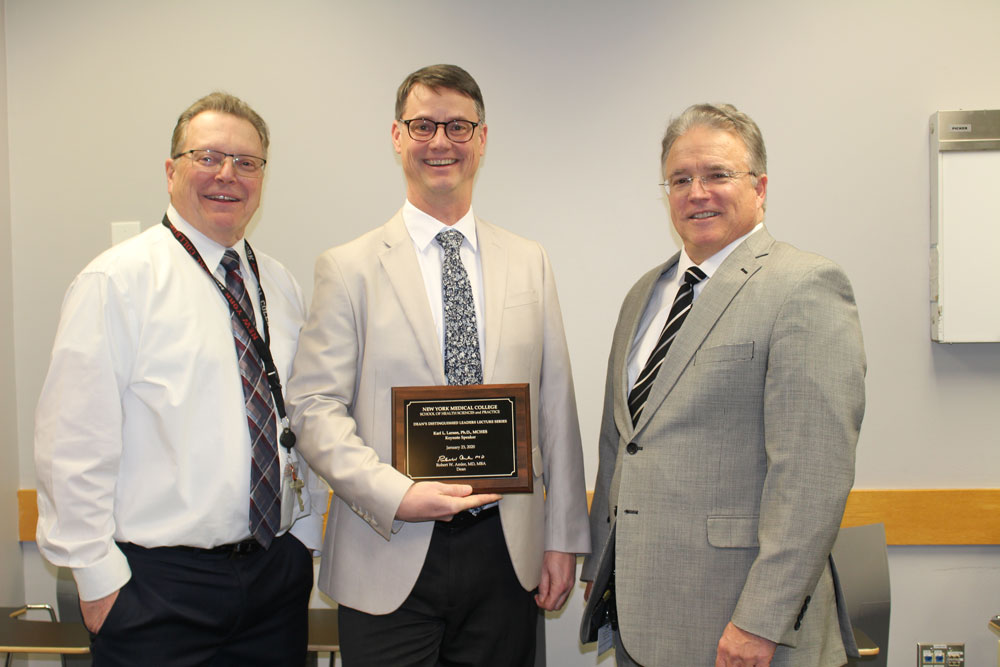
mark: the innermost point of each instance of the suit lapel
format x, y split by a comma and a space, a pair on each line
744, 261
632, 310
400, 263
495, 265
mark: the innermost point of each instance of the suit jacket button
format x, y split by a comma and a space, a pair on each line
632, 448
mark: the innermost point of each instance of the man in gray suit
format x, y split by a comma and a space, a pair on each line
420, 579
729, 429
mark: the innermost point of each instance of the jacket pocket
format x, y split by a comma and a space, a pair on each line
732, 532
720, 353
520, 299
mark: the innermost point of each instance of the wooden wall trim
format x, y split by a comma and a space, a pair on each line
928, 516
27, 514
911, 516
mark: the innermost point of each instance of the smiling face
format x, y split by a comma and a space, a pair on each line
440, 173
218, 204
709, 220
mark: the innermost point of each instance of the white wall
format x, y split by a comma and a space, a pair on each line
577, 96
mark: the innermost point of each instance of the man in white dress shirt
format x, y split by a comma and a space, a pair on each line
157, 418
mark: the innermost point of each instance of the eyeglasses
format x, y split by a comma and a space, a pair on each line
208, 160
423, 129
710, 182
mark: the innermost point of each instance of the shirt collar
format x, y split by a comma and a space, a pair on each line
211, 251
710, 265
423, 227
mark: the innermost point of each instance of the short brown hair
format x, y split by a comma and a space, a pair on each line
222, 103
434, 77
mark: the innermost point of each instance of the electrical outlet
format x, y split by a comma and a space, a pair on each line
945, 655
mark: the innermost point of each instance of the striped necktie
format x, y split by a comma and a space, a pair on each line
678, 311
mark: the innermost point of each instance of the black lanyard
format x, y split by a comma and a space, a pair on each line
261, 344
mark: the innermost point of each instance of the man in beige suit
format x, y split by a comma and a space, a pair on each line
729, 429
421, 580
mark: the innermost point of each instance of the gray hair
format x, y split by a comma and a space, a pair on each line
721, 117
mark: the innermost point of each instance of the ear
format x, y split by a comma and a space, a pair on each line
482, 140
397, 131
169, 166
761, 190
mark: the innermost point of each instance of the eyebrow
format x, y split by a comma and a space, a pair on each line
712, 167
418, 117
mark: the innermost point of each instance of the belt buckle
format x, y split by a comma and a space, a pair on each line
244, 548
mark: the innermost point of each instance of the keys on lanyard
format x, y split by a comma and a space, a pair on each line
296, 484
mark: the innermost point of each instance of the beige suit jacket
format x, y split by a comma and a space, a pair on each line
727, 495
370, 328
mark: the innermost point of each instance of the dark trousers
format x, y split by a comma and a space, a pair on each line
467, 608
194, 608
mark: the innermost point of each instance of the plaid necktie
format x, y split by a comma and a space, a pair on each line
462, 364
678, 311
265, 510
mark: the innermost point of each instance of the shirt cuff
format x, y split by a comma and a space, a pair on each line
103, 577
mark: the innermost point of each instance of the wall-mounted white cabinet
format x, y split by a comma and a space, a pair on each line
965, 226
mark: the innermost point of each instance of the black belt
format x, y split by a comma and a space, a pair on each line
244, 548
465, 519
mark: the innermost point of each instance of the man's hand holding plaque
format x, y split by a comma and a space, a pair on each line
475, 435
434, 501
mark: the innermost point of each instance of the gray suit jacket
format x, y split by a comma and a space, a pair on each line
370, 328
728, 494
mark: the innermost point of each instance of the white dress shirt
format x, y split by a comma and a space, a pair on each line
423, 228
661, 299
430, 255
141, 429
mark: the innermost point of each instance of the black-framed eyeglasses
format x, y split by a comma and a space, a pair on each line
424, 129
711, 181
209, 160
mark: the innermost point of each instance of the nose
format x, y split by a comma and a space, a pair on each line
227, 170
698, 190
440, 138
